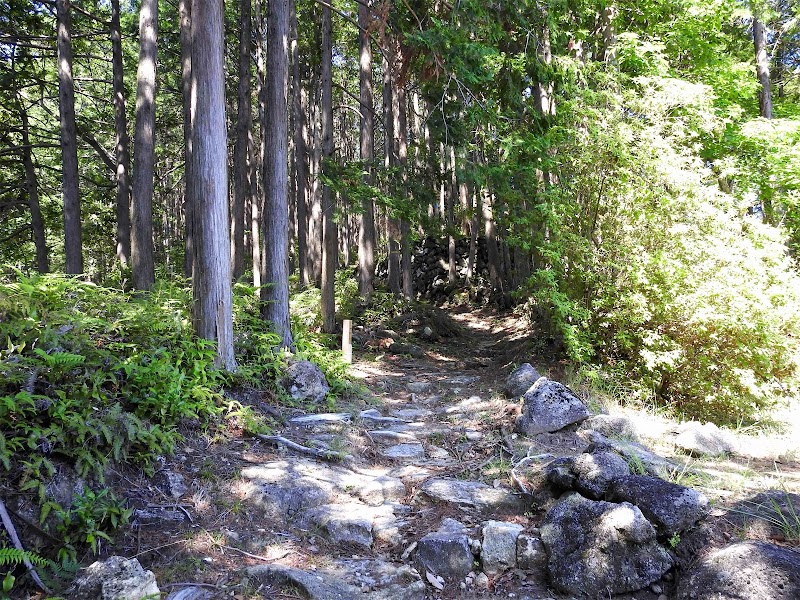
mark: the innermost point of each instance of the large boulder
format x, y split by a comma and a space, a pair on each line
304, 381
744, 571
474, 495
115, 578
499, 546
704, 439
445, 553
619, 428
597, 549
588, 473
670, 507
520, 380
549, 406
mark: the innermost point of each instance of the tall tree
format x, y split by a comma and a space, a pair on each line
32, 185
213, 298
144, 149
275, 150
366, 232
330, 247
73, 244
300, 153
121, 132
762, 68
185, 25
241, 170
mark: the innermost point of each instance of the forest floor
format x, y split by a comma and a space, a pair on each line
445, 411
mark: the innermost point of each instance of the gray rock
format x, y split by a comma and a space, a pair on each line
445, 554
520, 380
158, 516
304, 381
620, 428
193, 592
419, 387
640, 459
670, 507
387, 435
115, 578
531, 554
171, 483
316, 586
474, 494
499, 546
599, 548
284, 489
549, 406
744, 571
409, 451
704, 439
375, 416
595, 471
410, 349
412, 413
322, 419
380, 580
350, 523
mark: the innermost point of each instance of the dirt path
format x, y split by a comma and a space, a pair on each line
403, 517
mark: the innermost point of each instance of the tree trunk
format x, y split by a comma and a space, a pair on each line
121, 131
401, 131
257, 165
212, 293
300, 153
329, 243
32, 184
762, 69
366, 232
185, 15
144, 149
493, 254
275, 295
609, 53
450, 200
73, 246
241, 169
315, 220
390, 161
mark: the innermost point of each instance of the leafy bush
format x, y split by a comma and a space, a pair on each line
651, 274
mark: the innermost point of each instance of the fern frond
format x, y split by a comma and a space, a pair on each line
12, 556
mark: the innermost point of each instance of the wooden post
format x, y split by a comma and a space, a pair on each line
347, 341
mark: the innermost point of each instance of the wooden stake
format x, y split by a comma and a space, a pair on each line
347, 341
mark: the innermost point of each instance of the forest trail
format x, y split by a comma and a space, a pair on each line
428, 497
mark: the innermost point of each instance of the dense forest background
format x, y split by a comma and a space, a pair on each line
630, 169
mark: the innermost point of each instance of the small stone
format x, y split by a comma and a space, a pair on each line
305, 381
171, 483
482, 581
115, 578
407, 451
549, 406
656, 589
520, 380
499, 546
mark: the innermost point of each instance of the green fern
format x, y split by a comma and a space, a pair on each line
13, 557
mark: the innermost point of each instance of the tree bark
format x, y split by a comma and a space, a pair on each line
493, 254
121, 133
762, 69
185, 15
300, 153
315, 217
73, 245
241, 170
257, 202
401, 131
212, 293
390, 161
366, 232
144, 149
32, 184
275, 295
329, 242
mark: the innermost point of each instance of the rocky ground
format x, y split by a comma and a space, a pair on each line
443, 484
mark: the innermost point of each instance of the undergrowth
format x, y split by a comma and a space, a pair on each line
91, 376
